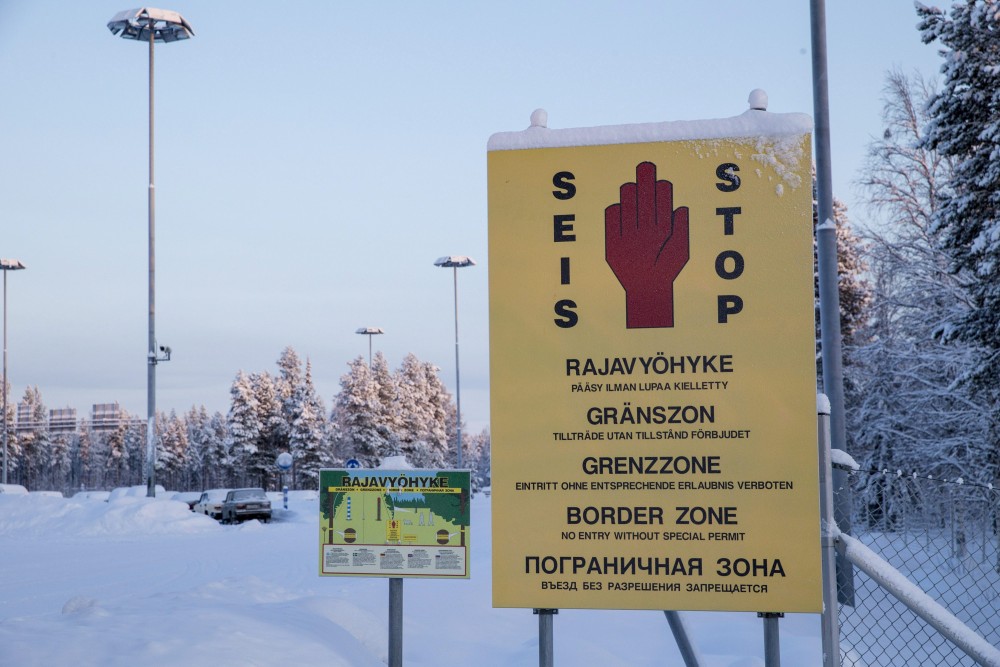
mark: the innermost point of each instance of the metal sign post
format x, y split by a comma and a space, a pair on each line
772, 644
688, 651
546, 654
395, 622
362, 532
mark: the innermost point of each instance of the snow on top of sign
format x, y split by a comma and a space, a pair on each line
775, 138
395, 463
755, 122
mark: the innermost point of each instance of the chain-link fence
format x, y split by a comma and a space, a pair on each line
942, 534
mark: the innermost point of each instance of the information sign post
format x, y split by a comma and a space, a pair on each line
652, 349
394, 524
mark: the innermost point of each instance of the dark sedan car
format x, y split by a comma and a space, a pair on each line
243, 504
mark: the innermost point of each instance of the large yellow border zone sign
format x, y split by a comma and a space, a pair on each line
652, 361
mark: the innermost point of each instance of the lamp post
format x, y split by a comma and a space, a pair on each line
456, 262
369, 331
6, 265
151, 25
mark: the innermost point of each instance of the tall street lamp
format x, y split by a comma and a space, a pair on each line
6, 265
151, 25
456, 262
369, 331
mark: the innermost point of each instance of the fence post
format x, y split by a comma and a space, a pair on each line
830, 622
843, 505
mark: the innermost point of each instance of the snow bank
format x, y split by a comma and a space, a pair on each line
233, 596
31, 515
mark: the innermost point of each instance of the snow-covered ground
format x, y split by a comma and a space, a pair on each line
146, 582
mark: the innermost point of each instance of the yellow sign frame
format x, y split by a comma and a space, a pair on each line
652, 456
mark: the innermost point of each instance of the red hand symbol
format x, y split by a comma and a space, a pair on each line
646, 244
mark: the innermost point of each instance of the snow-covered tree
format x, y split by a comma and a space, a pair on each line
173, 439
197, 423
260, 465
357, 414
13, 445
57, 472
409, 412
423, 404
286, 384
477, 459
908, 410
308, 430
964, 127
391, 407
243, 421
33, 437
441, 436
117, 464
135, 445
83, 456
219, 454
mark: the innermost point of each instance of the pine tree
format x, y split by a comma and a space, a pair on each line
260, 465
222, 471
33, 438
356, 413
84, 455
57, 472
173, 448
197, 423
243, 421
441, 435
319, 409
423, 402
135, 445
478, 460
412, 417
116, 464
13, 444
390, 412
965, 128
307, 432
286, 385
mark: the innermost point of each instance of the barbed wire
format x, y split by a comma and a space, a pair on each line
958, 480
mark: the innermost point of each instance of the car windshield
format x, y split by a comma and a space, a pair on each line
249, 494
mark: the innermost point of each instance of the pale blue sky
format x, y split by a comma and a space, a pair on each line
313, 159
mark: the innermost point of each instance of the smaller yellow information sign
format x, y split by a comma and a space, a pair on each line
402, 523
